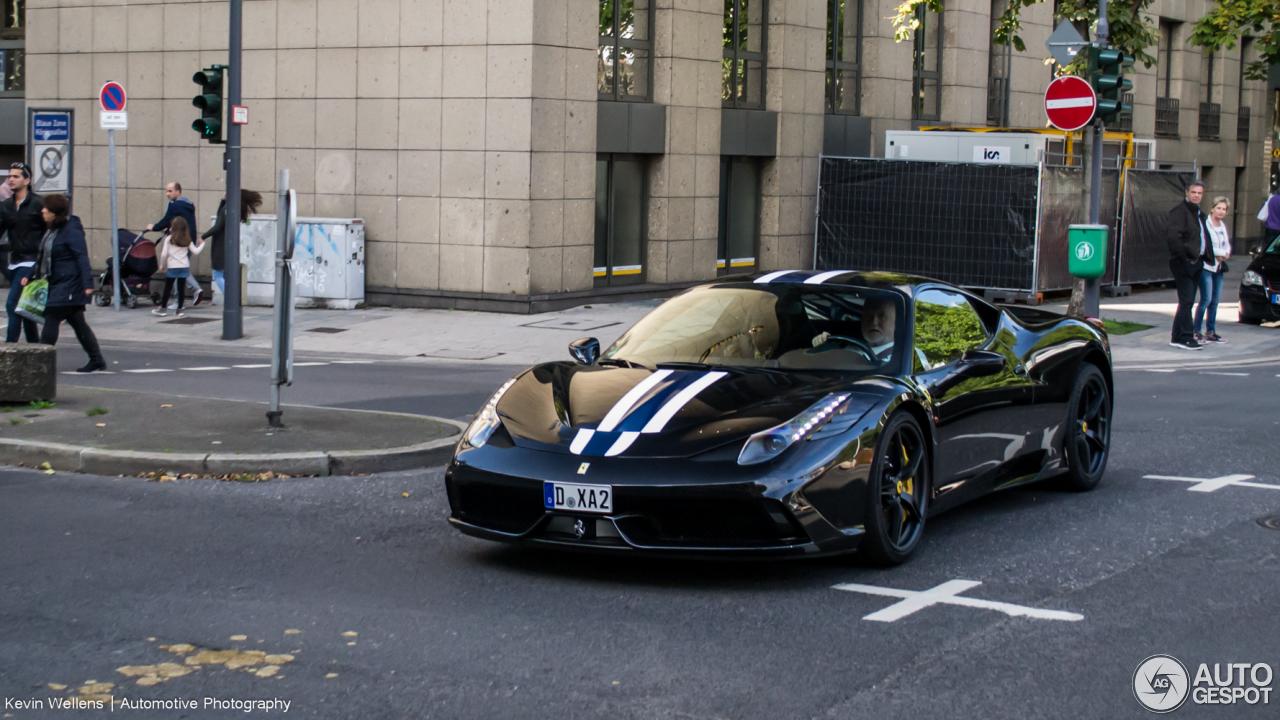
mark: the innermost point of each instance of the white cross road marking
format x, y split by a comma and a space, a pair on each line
253, 366
95, 372
352, 362
307, 364
1210, 372
1161, 370
947, 593
1212, 484
210, 367
149, 370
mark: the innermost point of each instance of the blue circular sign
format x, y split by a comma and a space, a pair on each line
112, 97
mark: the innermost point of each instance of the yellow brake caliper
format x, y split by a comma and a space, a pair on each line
906, 486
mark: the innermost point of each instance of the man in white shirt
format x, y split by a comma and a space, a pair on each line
879, 318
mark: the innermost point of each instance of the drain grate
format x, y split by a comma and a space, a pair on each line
189, 321
328, 331
1270, 522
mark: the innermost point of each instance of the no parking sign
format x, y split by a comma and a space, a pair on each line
50, 138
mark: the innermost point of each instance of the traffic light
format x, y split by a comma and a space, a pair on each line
1106, 75
210, 103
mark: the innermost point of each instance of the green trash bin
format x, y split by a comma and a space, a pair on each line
1087, 251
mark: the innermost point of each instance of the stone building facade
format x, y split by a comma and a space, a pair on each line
524, 154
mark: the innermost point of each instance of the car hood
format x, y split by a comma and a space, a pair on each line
608, 410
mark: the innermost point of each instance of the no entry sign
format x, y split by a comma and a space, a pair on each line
1070, 102
112, 97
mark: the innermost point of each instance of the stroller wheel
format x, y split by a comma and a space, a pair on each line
133, 301
155, 298
100, 300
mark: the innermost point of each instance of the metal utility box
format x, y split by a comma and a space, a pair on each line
1087, 251
328, 261
1000, 148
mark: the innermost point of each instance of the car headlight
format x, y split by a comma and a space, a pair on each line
768, 444
1251, 278
487, 419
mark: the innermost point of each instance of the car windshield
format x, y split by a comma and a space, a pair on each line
800, 327
1275, 246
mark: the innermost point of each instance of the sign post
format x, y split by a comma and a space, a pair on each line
282, 325
113, 99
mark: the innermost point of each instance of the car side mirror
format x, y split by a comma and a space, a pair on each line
585, 350
981, 363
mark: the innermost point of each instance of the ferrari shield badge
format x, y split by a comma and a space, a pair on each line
582, 469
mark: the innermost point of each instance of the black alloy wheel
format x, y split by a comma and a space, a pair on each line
898, 493
1088, 438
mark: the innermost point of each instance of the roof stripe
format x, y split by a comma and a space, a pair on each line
622, 443
580, 441
628, 401
766, 279
825, 276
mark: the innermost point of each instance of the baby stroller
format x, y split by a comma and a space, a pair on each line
137, 255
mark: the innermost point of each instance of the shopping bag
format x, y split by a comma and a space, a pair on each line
1263, 213
34, 296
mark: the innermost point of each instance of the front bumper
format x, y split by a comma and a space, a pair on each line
662, 506
1255, 304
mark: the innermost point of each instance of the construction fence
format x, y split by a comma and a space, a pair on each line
988, 227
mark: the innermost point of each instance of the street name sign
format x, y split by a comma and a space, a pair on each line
112, 97
1070, 102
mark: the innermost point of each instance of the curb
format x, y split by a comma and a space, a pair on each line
96, 461
1198, 364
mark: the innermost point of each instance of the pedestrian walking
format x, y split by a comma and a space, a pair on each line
1189, 247
1270, 217
1211, 276
250, 201
63, 261
175, 259
24, 226
179, 207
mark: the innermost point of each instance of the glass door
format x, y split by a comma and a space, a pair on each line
619, 254
739, 214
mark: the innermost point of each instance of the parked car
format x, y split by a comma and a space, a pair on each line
1260, 286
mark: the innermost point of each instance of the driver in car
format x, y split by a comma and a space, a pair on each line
879, 315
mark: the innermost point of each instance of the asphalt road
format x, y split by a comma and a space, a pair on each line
360, 382
451, 627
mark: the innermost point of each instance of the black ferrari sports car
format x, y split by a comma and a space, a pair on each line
1260, 287
789, 413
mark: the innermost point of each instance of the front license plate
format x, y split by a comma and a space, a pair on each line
579, 498
1275, 298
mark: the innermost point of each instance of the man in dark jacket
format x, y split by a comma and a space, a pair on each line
1189, 245
20, 218
181, 207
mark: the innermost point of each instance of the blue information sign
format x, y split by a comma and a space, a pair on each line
51, 127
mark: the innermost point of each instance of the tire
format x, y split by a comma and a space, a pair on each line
1087, 444
133, 301
101, 301
896, 507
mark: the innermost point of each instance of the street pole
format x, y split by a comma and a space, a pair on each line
116, 282
1091, 288
232, 316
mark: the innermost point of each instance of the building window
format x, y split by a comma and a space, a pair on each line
926, 90
12, 54
1167, 108
999, 68
620, 220
1210, 111
746, 38
739, 214
623, 70
844, 57
1242, 111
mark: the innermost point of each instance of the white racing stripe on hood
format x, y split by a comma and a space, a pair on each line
628, 401
622, 443
682, 398
824, 276
580, 441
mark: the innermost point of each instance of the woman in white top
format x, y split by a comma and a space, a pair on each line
1211, 278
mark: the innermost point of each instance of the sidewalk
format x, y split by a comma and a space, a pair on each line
111, 432
1150, 349
412, 334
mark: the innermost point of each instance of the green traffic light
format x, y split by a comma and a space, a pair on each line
210, 103
1111, 83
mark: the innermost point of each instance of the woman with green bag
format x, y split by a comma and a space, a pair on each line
64, 264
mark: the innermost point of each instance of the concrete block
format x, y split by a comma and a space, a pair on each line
28, 372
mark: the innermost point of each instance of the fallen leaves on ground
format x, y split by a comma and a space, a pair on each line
239, 638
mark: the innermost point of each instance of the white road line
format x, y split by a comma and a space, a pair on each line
150, 370
352, 362
252, 366
947, 593
1212, 484
203, 369
1211, 372
1164, 370
308, 364
95, 372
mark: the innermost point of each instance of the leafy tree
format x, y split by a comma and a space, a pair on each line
1129, 30
1230, 19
